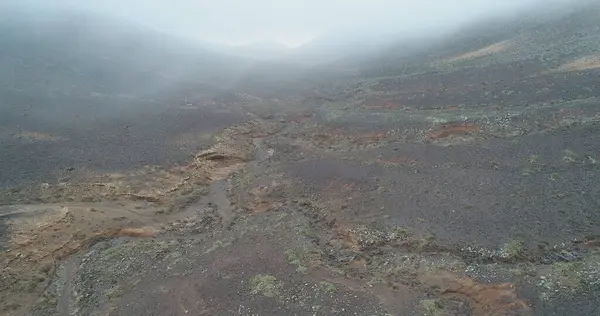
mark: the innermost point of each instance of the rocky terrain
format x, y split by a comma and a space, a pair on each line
461, 181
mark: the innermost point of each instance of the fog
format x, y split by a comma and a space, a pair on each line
293, 22
125, 46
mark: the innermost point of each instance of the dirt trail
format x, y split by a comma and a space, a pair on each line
218, 196
66, 277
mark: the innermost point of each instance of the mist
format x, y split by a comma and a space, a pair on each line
130, 48
292, 22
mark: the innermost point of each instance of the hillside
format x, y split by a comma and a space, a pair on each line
549, 37
531, 59
81, 53
73, 81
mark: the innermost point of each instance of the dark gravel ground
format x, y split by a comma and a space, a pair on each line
484, 192
106, 140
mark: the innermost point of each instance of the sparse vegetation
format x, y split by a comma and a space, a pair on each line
266, 285
427, 241
327, 287
399, 233
513, 249
296, 257
534, 159
567, 278
570, 156
114, 292
432, 307
218, 245
591, 160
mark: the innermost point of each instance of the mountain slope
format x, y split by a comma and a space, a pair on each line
76, 52
548, 37
96, 92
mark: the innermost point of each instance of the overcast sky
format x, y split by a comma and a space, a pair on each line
295, 21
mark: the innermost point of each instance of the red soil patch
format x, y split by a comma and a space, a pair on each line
485, 299
452, 130
358, 265
346, 237
592, 242
581, 64
262, 199
499, 299
137, 232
